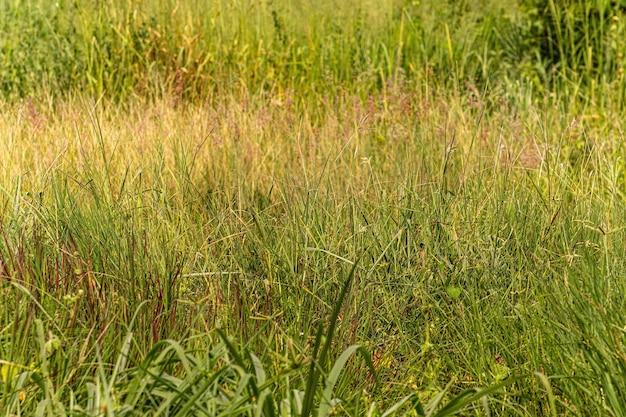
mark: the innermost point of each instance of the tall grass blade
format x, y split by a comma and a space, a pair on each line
318, 362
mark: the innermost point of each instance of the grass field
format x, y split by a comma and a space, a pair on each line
280, 208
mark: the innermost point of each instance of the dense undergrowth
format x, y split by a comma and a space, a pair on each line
199, 50
269, 208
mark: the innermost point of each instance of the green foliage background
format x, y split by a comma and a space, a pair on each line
193, 49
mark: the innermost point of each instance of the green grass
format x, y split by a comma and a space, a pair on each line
201, 50
265, 208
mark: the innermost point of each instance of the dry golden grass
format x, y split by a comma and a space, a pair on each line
254, 141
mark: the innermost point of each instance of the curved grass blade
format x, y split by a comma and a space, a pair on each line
467, 397
546, 385
391, 410
331, 381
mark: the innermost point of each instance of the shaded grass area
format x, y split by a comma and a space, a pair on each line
488, 236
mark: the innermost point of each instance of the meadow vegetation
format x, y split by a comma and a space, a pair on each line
263, 208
